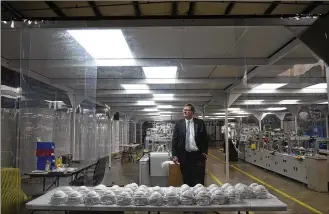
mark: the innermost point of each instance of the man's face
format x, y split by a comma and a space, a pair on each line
188, 113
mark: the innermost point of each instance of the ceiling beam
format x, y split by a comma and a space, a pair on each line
308, 9
272, 7
134, 100
137, 8
229, 8
12, 10
94, 7
191, 8
55, 8
106, 92
273, 58
280, 91
232, 21
167, 62
223, 80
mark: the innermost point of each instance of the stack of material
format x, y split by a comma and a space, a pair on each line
68, 190
100, 189
140, 198
187, 197
232, 195
172, 197
244, 191
219, 197
156, 199
124, 199
211, 187
260, 192
203, 198
128, 190
75, 198
92, 198
115, 189
109, 198
159, 190
83, 190
132, 186
184, 188
59, 197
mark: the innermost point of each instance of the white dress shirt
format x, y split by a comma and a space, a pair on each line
193, 146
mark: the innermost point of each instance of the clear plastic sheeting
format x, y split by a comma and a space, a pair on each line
8, 137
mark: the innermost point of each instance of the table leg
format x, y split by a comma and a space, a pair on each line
247, 212
239, 212
43, 184
57, 181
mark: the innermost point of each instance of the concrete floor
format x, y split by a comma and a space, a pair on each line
303, 198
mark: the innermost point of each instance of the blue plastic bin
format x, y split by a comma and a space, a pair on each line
41, 162
45, 145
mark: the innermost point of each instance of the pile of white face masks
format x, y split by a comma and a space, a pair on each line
187, 197
75, 198
218, 197
140, 198
59, 197
260, 192
124, 198
92, 198
203, 198
172, 196
109, 198
156, 199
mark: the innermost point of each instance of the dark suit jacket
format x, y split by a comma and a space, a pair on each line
179, 135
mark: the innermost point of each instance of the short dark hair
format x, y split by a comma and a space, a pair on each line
191, 106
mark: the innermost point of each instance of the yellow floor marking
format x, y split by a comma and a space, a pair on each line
271, 187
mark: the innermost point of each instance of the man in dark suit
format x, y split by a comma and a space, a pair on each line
190, 147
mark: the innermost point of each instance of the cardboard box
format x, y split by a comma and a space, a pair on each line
175, 177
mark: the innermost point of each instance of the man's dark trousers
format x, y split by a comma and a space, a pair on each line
193, 169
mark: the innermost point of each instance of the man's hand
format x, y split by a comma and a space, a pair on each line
175, 159
205, 156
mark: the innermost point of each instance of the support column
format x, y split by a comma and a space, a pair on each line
226, 146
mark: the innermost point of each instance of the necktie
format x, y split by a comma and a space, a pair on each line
187, 141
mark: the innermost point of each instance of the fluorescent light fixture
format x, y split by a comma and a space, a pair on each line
150, 109
220, 113
288, 101
241, 116
165, 106
317, 86
253, 102
276, 108
233, 109
145, 102
103, 44
55, 101
323, 103
160, 72
136, 88
269, 86
163, 96
239, 112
